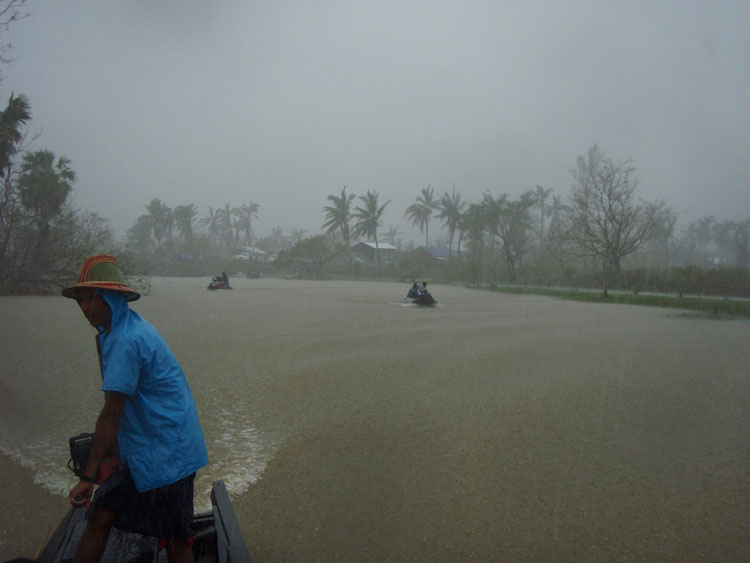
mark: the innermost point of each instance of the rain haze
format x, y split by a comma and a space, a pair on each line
284, 103
348, 419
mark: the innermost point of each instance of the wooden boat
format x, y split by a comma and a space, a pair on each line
218, 538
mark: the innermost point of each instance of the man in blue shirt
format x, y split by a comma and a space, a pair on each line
149, 416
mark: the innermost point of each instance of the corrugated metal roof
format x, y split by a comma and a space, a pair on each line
381, 245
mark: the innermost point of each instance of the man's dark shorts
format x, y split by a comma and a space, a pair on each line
166, 512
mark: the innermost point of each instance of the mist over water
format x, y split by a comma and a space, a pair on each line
349, 427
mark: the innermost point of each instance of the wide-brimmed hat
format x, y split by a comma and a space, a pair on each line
101, 271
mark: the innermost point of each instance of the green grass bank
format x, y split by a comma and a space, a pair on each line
704, 306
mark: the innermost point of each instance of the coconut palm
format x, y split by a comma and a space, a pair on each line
168, 221
12, 121
45, 184
184, 215
139, 235
472, 229
212, 221
225, 228
368, 218
419, 213
338, 215
160, 216
451, 206
244, 223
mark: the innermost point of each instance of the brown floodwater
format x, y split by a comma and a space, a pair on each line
349, 426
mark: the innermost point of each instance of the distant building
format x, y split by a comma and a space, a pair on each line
366, 250
437, 252
251, 253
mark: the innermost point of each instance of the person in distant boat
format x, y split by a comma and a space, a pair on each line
423, 289
413, 291
149, 416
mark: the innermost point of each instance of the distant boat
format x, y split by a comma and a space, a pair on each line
425, 300
219, 282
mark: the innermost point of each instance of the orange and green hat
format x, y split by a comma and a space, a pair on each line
101, 271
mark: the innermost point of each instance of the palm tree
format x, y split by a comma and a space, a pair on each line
212, 221
419, 213
492, 210
338, 215
12, 120
45, 185
472, 228
451, 207
184, 215
139, 235
225, 224
159, 215
168, 221
556, 230
541, 195
245, 214
369, 218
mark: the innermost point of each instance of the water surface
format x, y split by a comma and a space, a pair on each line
350, 427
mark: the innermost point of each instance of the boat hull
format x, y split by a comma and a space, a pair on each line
218, 537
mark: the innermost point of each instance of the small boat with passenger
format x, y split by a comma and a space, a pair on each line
418, 295
220, 282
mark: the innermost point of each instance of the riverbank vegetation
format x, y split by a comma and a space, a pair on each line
705, 306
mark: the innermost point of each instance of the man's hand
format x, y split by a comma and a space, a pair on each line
80, 495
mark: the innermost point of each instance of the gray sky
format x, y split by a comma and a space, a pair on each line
284, 102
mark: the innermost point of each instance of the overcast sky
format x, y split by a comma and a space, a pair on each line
284, 102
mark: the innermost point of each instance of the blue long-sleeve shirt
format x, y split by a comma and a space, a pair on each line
160, 436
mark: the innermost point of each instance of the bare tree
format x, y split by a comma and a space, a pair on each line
541, 194
606, 220
510, 222
309, 258
741, 238
10, 12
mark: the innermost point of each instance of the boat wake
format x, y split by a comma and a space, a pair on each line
43, 460
238, 453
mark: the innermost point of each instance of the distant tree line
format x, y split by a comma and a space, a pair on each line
598, 235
